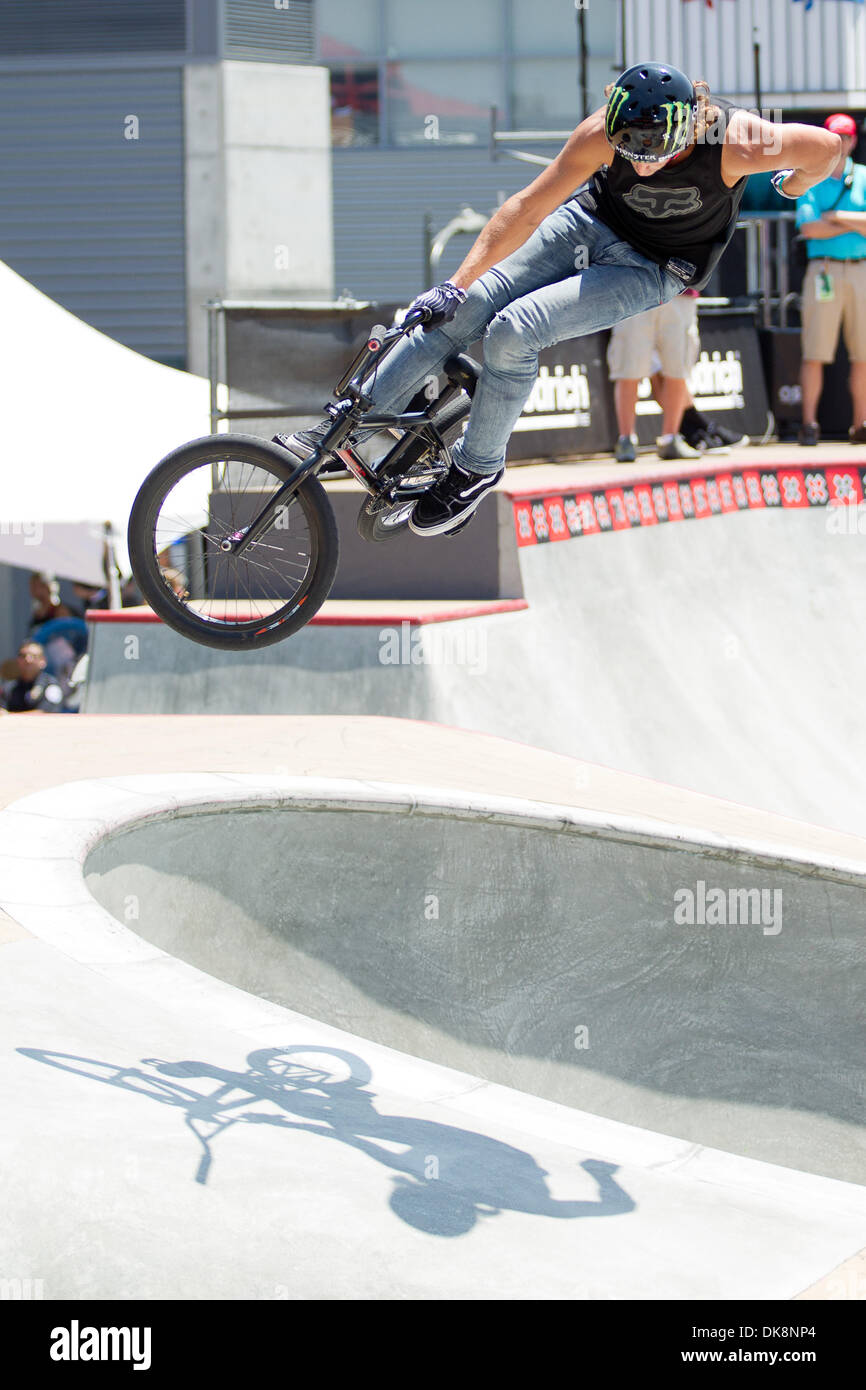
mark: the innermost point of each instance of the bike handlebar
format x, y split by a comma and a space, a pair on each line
378, 333
379, 337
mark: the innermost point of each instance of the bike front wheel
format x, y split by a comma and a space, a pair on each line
199, 498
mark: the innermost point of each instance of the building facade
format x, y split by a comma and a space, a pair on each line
155, 154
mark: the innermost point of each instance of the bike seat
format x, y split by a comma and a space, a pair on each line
463, 370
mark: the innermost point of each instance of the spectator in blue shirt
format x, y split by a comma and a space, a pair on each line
832, 218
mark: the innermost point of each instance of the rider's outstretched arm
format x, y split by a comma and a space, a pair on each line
756, 146
511, 225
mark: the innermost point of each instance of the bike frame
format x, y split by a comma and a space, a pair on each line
352, 410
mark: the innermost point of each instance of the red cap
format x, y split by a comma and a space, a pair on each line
841, 124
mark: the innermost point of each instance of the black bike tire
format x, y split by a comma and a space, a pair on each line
370, 527
369, 523
317, 510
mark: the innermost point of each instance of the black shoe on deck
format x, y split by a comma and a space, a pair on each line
719, 436
706, 435
452, 501
715, 439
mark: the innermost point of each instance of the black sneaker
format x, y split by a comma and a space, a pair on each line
714, 439
452, 501
303, 442
729, 439
808, 435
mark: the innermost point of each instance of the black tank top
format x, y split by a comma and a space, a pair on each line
684, 214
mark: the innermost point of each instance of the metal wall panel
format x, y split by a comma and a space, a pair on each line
807, 56
93, 219
381, 196
272, 31
39, 28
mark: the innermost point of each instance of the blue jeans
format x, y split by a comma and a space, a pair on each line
539, 295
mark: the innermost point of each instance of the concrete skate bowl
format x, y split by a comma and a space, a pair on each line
532, 946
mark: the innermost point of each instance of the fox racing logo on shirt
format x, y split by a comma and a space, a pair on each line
663, 202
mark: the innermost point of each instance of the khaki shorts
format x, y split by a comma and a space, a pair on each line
670, 331
821, 318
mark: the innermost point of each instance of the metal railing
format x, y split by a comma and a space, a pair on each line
506, 139
467, 222
768, 264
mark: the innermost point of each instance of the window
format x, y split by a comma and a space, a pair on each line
444, 28
604, 55
442, 103
601, 34
545, 93
347, 29
600, 72
545, 28
355, 104
426, 72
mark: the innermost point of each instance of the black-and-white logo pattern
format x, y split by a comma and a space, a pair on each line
661, 202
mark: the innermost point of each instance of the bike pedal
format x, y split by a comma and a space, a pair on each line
419, 480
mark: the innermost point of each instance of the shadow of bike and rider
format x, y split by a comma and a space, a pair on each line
445, 1178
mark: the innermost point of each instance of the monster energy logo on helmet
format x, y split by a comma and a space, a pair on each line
675, 134
650, 112
614, 104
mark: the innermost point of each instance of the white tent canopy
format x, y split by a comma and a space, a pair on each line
84, 419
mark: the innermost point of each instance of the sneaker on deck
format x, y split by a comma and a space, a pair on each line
857, 434
452, 501
714, 439
808, 435
673, 446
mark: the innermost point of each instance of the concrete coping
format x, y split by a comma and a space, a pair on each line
83, 813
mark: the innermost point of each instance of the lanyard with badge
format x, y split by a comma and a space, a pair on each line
825, 292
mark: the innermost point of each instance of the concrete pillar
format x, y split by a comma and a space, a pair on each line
258, 187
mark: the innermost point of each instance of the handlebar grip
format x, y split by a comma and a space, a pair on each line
375, 336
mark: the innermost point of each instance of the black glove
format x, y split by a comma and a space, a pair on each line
444, 301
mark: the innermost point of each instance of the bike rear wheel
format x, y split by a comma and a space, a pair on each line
197, 498
379, 518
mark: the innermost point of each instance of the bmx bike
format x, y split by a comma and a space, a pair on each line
233, 542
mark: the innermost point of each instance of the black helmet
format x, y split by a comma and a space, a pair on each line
651, 112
